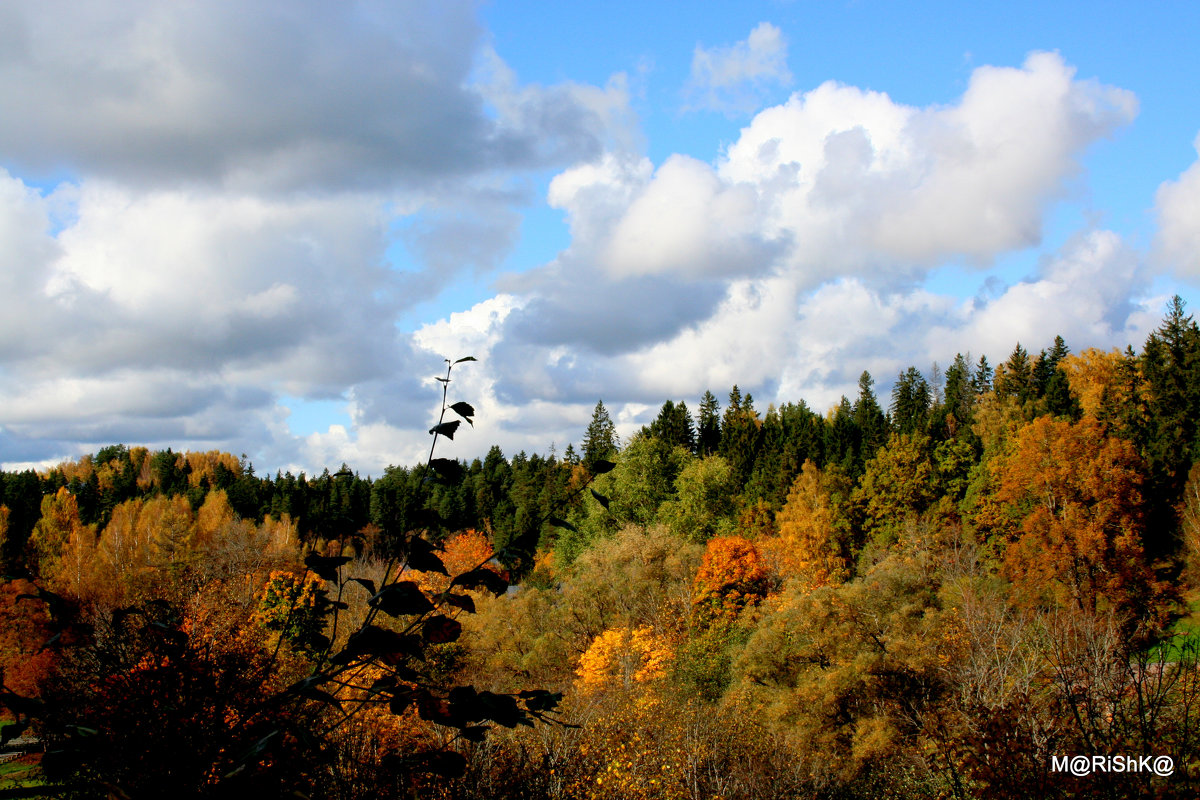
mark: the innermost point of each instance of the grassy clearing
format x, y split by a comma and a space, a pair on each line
1186, 630
21, 773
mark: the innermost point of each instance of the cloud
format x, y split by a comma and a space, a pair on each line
1177, 204
277, 95
732, 79
861, 183
786, 341
173, 298
255, 196
836, 183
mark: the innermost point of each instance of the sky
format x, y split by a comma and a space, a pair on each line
262, 227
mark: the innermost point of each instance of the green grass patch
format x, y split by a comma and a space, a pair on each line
1185, 631
20, 774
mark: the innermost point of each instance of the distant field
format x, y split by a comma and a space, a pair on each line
20, 773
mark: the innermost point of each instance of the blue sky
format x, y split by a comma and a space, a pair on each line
260, 226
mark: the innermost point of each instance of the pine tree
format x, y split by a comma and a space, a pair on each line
981, 381
708, 437
674, 426
600, 438
960, 392
910, 401
1171, 366
740, 434
1014, 378
871, 422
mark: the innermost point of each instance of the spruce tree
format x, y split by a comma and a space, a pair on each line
981, 381
674, 426
910, 401
1171, 366
600, 438
740, 434
870, 420
708, 437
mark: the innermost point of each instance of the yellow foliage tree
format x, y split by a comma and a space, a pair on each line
462, 551
806, 546
624, 657
1093, 376
60, 541
214, 514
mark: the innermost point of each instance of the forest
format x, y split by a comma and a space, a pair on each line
939, 593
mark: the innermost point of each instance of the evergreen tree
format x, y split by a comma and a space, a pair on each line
1014, 378
708, 436
843, 439
981, 381
870, 420
1171, 366
910, 401
570, 456
959, 394
674, 426
740, 434
600, 438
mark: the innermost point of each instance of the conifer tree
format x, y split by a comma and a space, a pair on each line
674, 426
910, 401
871, 422
1171, 365
740, 434
600, 438
981, 381
1014, 378
708, 435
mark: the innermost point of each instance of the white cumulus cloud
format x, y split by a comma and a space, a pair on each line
1178, 207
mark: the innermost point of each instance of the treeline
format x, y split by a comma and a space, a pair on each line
935, 597
875, 600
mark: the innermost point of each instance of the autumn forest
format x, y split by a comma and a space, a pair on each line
929, 593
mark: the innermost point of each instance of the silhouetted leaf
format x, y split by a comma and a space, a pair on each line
601, 466
463, 602
325, 566
447, 469
464, 410
540, 700
562, 523
423, 558
401, 599
474, 733
434, 709
446, 429
482, 577
501, 709
376, 641
601, 499
366, 583
427, 518
322, 696
440, 629
466, 358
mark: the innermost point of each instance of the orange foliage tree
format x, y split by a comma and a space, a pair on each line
1069, 500
732, 576
24, 630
